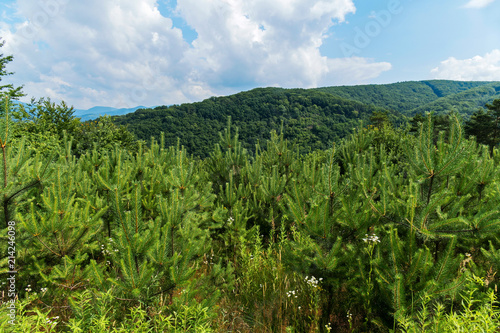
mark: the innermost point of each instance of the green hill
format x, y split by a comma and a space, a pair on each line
465, 102
405, 96
311, 118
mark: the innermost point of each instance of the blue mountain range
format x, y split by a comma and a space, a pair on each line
96, 111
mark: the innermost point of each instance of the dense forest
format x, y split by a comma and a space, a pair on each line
385, 224
387, 230
311, 118
413, 96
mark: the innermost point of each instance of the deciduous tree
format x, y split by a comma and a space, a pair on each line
8, 89
485, 125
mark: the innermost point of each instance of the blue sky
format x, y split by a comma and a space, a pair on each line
421, 35
124, 53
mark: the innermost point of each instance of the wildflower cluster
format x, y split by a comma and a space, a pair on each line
371, 239
53, 320
328, 327
312, 281
463, 264
29, 288
292, 293
349, 318
208, 259
104, 248
230, 220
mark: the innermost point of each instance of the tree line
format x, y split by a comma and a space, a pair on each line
388, 228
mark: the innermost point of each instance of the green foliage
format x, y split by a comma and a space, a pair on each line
46, 126
102, 134
485, 125
93, 312
475, 315
28, 320
367, 235
380, 119
157, 209
414, 97
7, 90
402, 96
15, 158
309, 118
464, 102
45, 116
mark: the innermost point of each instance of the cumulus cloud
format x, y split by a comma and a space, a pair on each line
478, 3
123, 53
267, 42
117, 53
481, 68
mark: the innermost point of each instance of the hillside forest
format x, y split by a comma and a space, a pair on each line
311, 118
305, 212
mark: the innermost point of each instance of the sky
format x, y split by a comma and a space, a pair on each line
126, 53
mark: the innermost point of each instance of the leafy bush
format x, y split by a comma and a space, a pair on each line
369, 235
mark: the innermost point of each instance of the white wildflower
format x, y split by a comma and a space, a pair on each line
312, 281
371, 238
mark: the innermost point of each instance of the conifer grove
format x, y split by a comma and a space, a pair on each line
390, 229
386, 230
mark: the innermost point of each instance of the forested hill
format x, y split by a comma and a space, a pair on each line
313, 119
464, 102
413, 97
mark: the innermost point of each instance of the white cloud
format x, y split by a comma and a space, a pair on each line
480, 68
356, 69
478, 3
272, 43
123, 53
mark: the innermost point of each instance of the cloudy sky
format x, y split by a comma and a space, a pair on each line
124, 53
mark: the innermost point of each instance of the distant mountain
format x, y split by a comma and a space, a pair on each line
97, 111
465, 102
312, 118
416, 96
